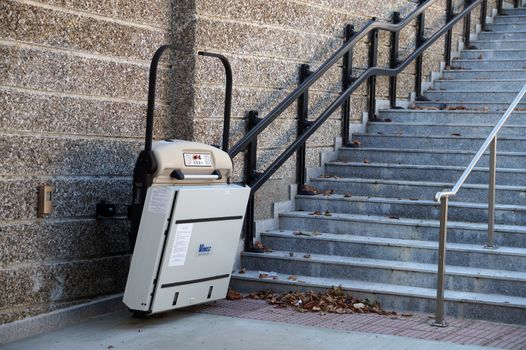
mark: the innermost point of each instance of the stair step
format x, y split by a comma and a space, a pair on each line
477, 280
502, 35
414, 172
489, 64
514, 12
394, 297
469, 143
499, 44
510, 19
450, 117
488, 106
428, 129
494, 54
493, 73
417, 209
402, 228
479, 84
505, 258
475, 193
515, 26
473, 96
512, 160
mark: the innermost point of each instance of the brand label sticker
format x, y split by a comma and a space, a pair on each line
160, 200
183, 233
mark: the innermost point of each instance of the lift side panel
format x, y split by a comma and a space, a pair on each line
201, 245
148, 248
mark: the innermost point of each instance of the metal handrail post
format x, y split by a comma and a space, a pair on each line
441, 280
373, 61
449, 34
393, 60
483, 14
420, 32
346, 82
491, 195
303, 117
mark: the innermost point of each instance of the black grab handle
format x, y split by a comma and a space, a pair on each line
228, 96
151, 95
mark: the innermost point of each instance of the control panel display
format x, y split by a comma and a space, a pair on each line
197, 159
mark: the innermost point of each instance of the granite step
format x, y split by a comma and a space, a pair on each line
514, 25
477, 280
475, 193
494, 54
371, 247
510, 19
414, 172
501, 308
450, 117
458, 130
521, 11
470, 143
373, 225
479, 84
480, 106
396, 207
503, 35
489, 73
499, 44
512, 160
489, 64
474, 96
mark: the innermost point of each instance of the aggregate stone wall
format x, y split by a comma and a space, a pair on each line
73, 84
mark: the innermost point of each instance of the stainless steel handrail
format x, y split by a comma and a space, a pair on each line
443, 198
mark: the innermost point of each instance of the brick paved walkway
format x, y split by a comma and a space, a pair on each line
415, 326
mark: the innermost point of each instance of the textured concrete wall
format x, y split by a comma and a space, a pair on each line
73, 83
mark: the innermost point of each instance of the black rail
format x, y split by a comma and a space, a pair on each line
350, 84
146, 165
154, 66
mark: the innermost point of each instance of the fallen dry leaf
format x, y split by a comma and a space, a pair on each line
347, 195
242, 270
334, 300
309, 190
327, 213
292, 277
366, 161
233, 295
394, 217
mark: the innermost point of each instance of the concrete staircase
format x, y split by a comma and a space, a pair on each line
379, 236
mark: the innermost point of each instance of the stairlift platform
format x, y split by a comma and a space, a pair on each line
189, 230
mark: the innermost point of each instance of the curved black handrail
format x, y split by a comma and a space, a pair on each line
152, 90
370, 72
242, 144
